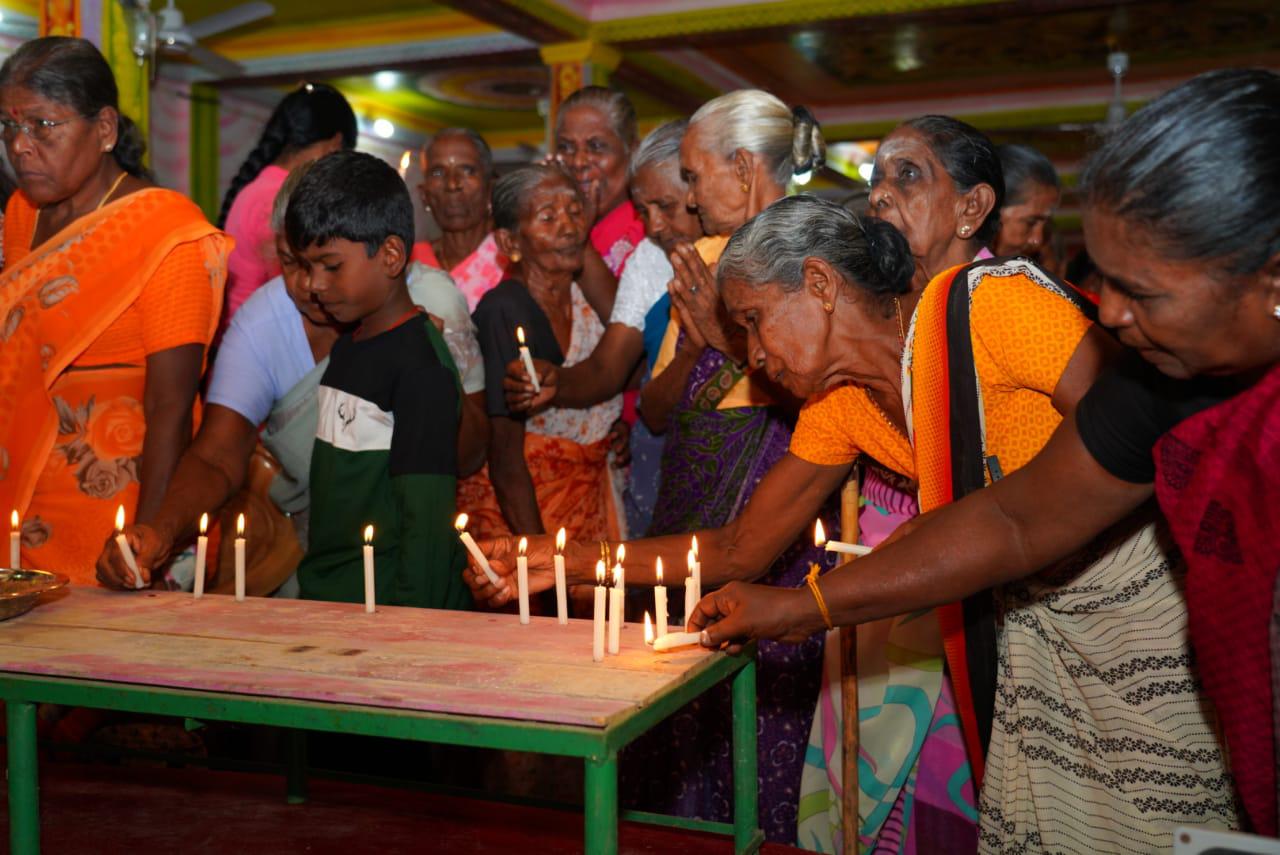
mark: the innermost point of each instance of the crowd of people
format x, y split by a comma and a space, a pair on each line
1068, 628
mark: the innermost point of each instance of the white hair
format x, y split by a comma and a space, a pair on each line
753, 120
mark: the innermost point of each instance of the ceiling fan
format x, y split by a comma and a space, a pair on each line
166, 33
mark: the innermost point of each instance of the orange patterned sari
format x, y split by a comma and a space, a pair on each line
81, 312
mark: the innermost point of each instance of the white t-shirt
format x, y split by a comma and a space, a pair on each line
644, 281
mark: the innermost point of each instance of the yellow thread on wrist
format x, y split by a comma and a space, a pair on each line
812, 581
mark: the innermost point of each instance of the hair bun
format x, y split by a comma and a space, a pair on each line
808, 151
891, 257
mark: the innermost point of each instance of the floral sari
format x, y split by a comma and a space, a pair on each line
79, 320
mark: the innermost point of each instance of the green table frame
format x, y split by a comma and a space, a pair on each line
598, 747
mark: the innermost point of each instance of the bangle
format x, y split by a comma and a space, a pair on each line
812, 581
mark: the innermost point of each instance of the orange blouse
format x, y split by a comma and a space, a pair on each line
837, 426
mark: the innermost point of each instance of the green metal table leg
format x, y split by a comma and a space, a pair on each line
747, 836
24, 796
296, 774
601, 802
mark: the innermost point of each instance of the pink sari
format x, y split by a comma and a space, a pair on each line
476, 274
616, 236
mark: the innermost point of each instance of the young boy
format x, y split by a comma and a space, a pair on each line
386, 440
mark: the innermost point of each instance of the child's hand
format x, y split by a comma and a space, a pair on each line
620, 444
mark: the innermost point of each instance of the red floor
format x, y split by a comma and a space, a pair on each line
93, 808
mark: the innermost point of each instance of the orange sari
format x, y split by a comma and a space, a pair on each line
81, 312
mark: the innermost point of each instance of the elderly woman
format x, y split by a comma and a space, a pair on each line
1198, 301
457, 178
307, 124
264, 387
658, 192
110, 296
1032, 191
547, 470
738, 154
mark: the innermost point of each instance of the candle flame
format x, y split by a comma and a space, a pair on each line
240, 525
520, 335
648, 629
461, 522
691, 559
523, 546
819, 534
204, 523
13, 520
560, 540
120, 518
695, 547
617, 575
599, 572
659, 569
622, 552
368, 534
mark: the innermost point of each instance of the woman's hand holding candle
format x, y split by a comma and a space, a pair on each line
501, 553
518, 388
150, 549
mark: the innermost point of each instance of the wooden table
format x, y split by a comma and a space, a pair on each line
434, 676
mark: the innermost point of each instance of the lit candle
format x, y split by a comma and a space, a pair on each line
621, 572
522, 578
123, 543
690, 595
461, 525
615, 611
562, 592
696, 570
597, 616
15, 541
368, 570
527, 358
239, 545
820, 539
648, 630
660, 600
676, 639
202, 554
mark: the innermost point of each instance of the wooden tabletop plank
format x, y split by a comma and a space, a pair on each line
463, 663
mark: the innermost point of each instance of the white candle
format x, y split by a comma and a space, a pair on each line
369, 597
820, 539
696, 569
622, 572
562, 591
690, 593
660, 600
676, 639
461, 525
615, 612
597, 616
122, 543
239, 544
202, 555
522, 578
15, 541
527, 358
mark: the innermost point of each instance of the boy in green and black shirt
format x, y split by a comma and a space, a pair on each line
389, 402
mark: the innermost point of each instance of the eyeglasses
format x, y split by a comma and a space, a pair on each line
38, 130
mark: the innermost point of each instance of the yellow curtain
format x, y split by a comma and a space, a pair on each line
132, 78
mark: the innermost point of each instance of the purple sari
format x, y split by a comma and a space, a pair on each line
713, 461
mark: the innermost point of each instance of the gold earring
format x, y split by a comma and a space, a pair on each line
1275, 313
745, 188
828, 308
964, 231
515, 257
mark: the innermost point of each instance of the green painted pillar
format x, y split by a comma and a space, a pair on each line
204, 150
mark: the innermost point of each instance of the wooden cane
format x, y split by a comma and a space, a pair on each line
849, 823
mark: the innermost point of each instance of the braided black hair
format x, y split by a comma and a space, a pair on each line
309, 114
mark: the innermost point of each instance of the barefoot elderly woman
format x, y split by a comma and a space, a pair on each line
109, 297
1198, 299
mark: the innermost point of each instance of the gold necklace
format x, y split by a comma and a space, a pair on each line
902, 329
